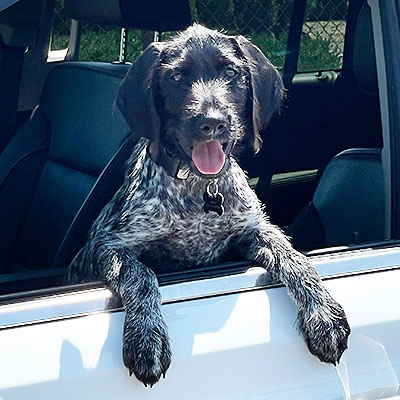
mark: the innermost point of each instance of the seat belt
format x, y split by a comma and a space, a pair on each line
109, 181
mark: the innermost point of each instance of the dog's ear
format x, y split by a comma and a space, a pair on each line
137, 94
266, 86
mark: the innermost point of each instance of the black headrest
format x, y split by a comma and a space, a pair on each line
364, 61
154, 15
19, 21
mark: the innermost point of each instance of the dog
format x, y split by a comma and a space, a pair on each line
195, 101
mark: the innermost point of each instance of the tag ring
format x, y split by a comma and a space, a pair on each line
212, 185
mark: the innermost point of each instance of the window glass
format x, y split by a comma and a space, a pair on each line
100, 43
322, 40
61, 27
266, 22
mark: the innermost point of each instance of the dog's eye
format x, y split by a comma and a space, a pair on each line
176, 76
230, 72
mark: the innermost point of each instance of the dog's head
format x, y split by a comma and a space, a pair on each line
199, 93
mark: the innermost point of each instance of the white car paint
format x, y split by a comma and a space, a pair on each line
233, 337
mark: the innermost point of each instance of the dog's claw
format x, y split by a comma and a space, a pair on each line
327, 338
154, 357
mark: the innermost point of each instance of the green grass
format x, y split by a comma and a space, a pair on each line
104, 45
314, 54
59, 42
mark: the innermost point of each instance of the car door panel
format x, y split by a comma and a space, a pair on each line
233, 337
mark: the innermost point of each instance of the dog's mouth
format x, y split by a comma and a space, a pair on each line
209, 157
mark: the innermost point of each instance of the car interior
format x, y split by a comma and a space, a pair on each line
64, 143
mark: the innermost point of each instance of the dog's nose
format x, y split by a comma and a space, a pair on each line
212, 126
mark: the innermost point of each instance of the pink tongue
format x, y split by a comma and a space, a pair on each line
208, 157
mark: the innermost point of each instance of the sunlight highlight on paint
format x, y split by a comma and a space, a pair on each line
255, 331
56, 350
90, 346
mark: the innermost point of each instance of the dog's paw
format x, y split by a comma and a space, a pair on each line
146, 349
326, 331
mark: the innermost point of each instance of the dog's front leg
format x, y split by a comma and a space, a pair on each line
321, 319
146, 344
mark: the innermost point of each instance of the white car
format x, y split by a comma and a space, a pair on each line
233, 330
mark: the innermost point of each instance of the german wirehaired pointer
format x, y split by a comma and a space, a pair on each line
194, 100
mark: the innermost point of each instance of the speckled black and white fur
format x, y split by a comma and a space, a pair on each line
156, 222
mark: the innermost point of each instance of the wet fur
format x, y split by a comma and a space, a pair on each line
156, 223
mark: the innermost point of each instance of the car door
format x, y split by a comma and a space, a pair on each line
233, 337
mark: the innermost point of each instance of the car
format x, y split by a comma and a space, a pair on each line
327, 173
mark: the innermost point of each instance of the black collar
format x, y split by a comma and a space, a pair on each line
171, 165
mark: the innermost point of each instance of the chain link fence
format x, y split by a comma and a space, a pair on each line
324, 27
266, 22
